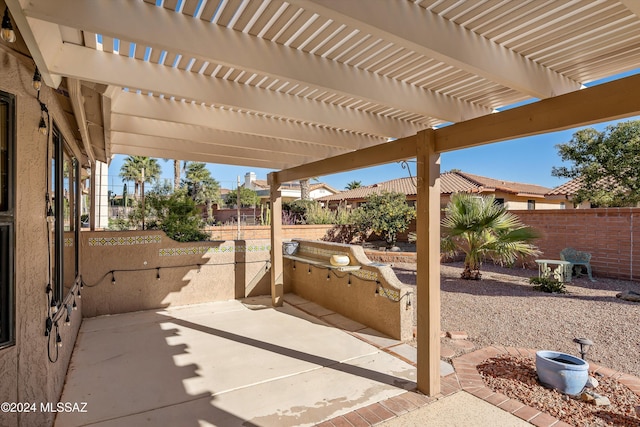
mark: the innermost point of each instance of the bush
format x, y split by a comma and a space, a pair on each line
385, 214
176, 214
549, 285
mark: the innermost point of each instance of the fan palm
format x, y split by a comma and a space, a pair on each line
480, 228
201, 186
140, 169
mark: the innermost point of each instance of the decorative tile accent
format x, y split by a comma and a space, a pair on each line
199, 250
366, 274
68, 242
124, 241
391, 294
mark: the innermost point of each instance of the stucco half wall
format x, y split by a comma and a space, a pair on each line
154, 271
371, 294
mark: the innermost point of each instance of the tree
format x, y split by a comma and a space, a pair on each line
481, 228
386, 214
353, 185
305, 188
201, 186
248, 197
135, 168
605, 163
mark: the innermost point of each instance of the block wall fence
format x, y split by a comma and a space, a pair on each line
611, 235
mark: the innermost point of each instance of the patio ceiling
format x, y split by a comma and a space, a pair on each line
274, 84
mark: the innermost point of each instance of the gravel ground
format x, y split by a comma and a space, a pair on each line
516, 377
503, 309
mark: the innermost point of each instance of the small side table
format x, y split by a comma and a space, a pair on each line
563, 268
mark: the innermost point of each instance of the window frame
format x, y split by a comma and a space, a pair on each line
7, 233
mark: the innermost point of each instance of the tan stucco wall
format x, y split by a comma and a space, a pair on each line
228, 270
27, 375
358, 301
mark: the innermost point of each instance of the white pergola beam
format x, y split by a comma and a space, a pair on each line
77, 104
214, 138
203, 148
43, 40
426, 33
100, 67
181, 34
151, 107
178, 154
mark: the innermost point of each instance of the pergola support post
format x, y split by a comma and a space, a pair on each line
428, 263
277, 281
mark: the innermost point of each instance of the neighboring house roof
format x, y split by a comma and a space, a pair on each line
450, 182
572, 187
491, 184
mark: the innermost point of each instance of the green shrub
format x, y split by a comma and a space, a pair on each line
385, 214
548, 284
176, 214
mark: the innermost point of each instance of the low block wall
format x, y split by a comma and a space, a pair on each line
611, 235
386, 311
189, 273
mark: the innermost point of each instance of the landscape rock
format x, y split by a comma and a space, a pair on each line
595, 398
587, 397
592, 383
629, 296
457, 335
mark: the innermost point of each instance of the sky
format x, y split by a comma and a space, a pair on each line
527, 160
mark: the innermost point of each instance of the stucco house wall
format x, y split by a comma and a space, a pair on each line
28, 376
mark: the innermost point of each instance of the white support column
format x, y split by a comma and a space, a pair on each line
428, 263
92, 198
277, 281
101, 196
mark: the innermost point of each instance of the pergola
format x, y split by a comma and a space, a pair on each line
314, 87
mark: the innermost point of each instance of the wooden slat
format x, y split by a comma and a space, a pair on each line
609, 101
428, 263
277, 278
389, 152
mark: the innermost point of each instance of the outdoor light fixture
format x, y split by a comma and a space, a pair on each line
42, 126
78, 294
37, 80
377, 288
349, 281
74, 306
113, 278
309, 271
294, 264
67, 320
58, 339
584, 344
7, 34
158, 273
53, 306
328, 276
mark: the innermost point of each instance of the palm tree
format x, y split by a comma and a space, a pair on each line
201, 186
140, 169
305, 188
176, 173
353, 185
480, 228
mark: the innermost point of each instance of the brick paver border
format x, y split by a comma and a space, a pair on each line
471, 381
467, 378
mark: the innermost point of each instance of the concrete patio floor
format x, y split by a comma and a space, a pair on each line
235, 363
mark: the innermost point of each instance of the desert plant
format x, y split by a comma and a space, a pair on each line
480, 228
548, 284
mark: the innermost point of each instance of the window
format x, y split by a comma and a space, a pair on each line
563, 205
7, 135
64, 188
499, 201
531, 205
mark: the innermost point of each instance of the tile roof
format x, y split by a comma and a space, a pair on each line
450, 182
570, 188
506, 186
